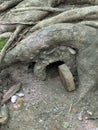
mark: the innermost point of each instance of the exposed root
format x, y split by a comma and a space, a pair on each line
68, 16
93, 2
10, 41
90, 23
5, 35
49, 9
9, 4
17, 23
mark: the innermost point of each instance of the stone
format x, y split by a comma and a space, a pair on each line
14, 98
72, 51
66, 77
20, 94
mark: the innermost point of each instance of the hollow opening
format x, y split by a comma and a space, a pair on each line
52, 69
31, 66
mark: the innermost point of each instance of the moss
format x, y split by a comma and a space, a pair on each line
2, 42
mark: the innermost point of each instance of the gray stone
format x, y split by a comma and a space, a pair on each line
66, 77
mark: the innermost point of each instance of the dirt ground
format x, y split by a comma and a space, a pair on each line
48, 106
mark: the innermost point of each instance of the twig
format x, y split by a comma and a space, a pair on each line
50, 9
92, 118
11, 92
9, 4
10, 41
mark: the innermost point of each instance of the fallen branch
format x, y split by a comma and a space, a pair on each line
9, 4
11, 92
68, 16
10, 41
49, 9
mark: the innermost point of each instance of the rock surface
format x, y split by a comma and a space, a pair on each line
66, 77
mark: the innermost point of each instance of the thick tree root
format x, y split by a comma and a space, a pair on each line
49, 9
9, 4
82, 38
69, 16
77, 36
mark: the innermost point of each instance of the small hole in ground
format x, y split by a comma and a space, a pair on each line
31, 66
52, 69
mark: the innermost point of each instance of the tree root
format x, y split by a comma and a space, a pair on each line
49, 9
10, 41
51, 36
17, 23
92, 23
93, 2
68, 16
9, 4
81, 37
5, 35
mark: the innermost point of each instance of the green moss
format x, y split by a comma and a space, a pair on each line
2, 42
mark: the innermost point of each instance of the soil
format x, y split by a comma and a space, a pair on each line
48, 105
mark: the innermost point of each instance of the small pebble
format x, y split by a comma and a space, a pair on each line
20, 94
89, 113
14, 98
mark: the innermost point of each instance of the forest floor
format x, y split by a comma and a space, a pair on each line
47, 104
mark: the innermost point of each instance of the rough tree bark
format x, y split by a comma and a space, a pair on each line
48, 29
